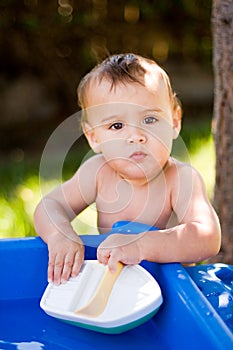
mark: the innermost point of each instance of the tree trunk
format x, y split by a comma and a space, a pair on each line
222, 24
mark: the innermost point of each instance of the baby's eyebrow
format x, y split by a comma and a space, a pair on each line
153, 110
110, 119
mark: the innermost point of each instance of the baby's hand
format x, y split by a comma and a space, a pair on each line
65, 257
119, 247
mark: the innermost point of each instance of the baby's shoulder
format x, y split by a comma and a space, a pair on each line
179, 171
94, 160
96, 165
178, 166
183, 178
90, 172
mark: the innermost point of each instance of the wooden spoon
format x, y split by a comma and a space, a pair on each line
98, 302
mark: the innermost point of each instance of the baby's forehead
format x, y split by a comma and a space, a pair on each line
100, 85
125, 99
153, 81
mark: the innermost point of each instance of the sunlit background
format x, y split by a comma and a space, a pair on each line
46, 47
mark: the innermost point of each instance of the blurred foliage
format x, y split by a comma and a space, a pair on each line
61, 40
22, 188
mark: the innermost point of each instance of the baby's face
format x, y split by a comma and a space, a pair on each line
132, 126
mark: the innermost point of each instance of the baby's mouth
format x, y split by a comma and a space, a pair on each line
138, 156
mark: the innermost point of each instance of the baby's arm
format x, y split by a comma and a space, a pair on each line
196, 238
52, 221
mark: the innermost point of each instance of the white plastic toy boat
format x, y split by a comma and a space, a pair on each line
134, 298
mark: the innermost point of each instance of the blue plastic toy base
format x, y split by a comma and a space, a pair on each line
216, 283
186, 319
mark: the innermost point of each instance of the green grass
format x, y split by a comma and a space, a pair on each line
198, 138
21, 191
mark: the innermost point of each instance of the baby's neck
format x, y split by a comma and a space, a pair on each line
145, 181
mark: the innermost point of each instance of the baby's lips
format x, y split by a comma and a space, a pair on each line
138, 156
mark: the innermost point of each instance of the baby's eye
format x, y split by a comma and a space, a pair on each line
150, 120
116, 126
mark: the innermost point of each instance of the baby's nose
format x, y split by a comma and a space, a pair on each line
136, 136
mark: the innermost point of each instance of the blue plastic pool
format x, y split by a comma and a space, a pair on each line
186, 319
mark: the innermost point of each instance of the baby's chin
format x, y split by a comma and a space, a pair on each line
140, 176
137, 171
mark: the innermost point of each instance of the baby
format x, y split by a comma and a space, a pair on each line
130, 117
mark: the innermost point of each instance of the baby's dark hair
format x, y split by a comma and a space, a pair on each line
123, 69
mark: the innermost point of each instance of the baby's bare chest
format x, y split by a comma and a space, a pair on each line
122, 201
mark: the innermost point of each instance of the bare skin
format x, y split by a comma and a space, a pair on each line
134, 178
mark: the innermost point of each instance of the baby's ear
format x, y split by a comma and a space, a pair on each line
89, 132
177, 115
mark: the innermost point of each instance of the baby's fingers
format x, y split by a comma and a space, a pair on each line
78, 260
67, 267
112, 261
103, 255
108, 257
55, 267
